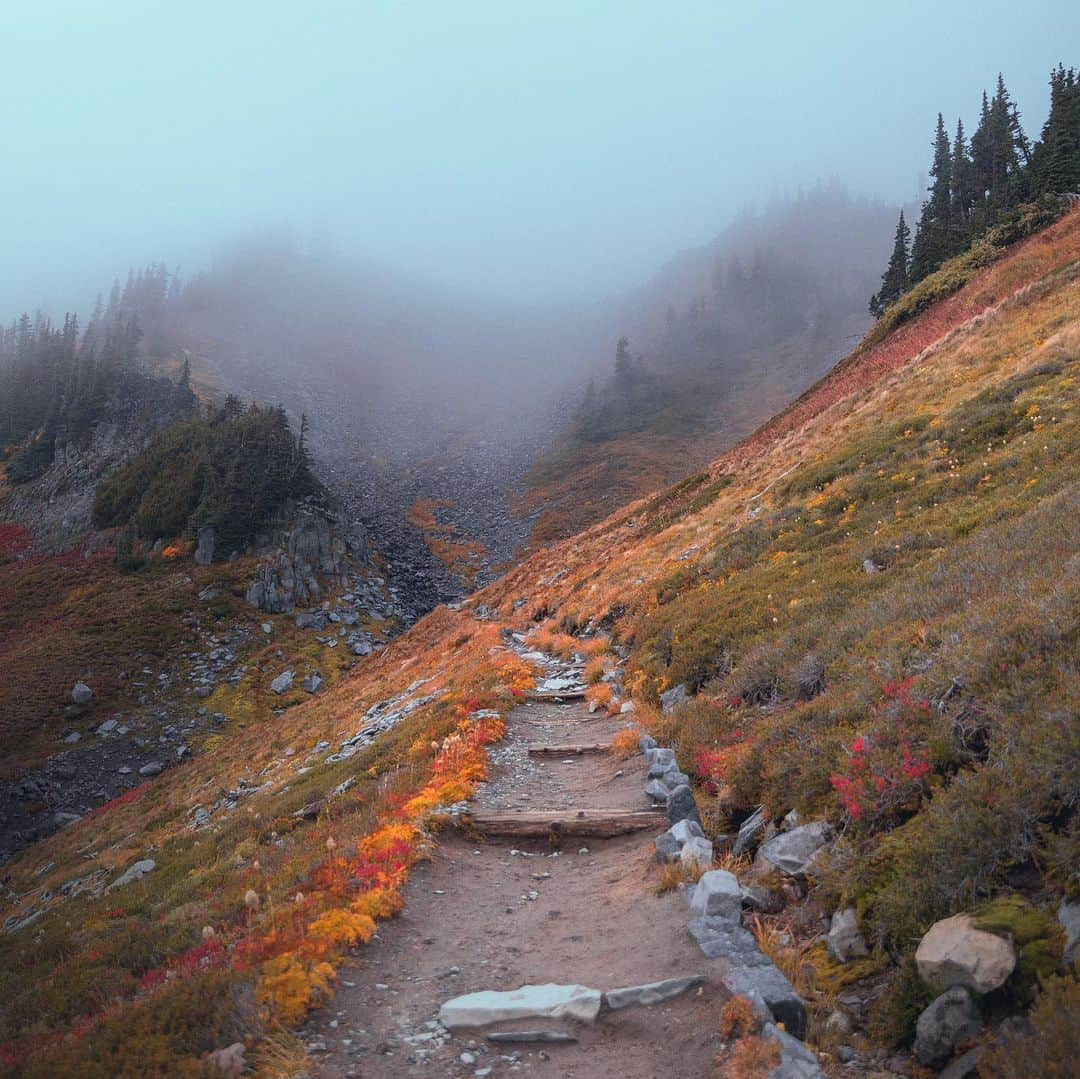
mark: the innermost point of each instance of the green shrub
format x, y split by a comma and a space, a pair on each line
232, 470
1048, 1050
1037, 934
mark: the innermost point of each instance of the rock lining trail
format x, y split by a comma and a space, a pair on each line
497, 914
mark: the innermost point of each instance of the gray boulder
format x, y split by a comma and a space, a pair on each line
763, 900
81, 694
750, 832
360, 644
154, 768
965, 1065
654, 752
318, 620
685, 830
672, 698
697, 853
657, 790
681, 806
230, 1061
721, 938
312, 683
1069, 916
777, 992
955, 952
949, 1020
673, 778
660, 762
204, 545
791, 852
844, 940
646, 742
283, 682
133, 872
652, 993
667, 847
717, 895
796, 1061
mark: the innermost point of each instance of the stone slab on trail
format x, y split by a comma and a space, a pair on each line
549, 1001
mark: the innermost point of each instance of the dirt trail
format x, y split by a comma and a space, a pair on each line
499, 914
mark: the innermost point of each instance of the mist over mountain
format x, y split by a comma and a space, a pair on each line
557, 552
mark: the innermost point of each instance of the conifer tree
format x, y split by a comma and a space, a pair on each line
895, 280
933, 243
963, 182
1055, 160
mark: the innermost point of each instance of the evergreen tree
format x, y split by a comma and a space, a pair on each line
982, 154
894, 281
1055, 160
624, 366
933, 243
963, 181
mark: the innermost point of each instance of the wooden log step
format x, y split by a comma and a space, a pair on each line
562, 695
599, 823
542, 749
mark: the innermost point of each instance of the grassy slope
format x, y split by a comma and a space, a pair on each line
947, 454
577, 483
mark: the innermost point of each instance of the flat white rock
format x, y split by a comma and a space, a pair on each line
548, 1001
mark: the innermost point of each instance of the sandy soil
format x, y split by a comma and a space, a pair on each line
500, 914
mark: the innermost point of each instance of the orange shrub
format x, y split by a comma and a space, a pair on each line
738, 1018
750, 1058
600, 694
625, 743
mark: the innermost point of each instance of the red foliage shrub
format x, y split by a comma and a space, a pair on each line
885, 775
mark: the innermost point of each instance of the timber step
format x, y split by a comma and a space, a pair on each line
581, 823
545, 749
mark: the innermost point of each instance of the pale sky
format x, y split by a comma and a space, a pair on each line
527, 150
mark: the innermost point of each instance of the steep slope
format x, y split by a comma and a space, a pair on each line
728, 334
871, 603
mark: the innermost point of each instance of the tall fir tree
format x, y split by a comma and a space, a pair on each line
894, 281
1055, 160
963, 182
933, 243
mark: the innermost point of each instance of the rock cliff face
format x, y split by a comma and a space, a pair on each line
319, 547
55, 507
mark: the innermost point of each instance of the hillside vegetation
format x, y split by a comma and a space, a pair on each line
720, 340
231, 470
760, 314
872, 602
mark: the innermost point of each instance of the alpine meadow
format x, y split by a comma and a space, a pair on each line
540, 540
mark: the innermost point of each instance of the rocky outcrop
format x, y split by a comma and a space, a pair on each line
204, 546
303, 561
